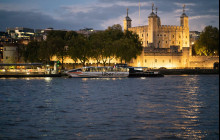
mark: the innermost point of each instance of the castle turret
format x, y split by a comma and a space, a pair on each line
127, 22
184, 21
153, 24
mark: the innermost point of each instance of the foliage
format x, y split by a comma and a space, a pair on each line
208, 43
101, 46
31, 52
79, 48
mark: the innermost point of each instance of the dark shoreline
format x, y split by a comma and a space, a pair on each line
30, 75
187, 71
161, 71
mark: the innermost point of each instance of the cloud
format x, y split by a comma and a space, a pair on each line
99, 14
203, 17
88, 8
19, 7
26, 19
186, 4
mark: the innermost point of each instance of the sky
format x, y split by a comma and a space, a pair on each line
99, 14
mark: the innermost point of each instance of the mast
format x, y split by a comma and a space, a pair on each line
184, 6
127, 12
139, 13
152, 7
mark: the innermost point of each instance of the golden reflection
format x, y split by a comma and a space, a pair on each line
189, 110
84, 79
48, 79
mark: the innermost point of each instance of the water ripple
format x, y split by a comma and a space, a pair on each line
173, 107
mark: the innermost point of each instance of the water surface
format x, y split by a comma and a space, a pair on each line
171, 107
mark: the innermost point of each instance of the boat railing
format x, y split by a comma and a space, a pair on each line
104, 69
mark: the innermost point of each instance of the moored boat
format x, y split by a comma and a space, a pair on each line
112, 72
99, 72
143, 72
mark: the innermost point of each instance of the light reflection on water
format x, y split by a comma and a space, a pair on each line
172, 107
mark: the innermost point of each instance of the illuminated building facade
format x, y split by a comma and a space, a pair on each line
164, 45
20, 33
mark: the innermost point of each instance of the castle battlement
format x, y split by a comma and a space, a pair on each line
138, 27
170, 27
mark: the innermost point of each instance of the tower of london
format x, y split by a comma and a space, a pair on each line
161, 36
163, 45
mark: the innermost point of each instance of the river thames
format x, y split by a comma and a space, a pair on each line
171, 107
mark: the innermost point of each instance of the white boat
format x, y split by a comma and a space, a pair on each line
99, 72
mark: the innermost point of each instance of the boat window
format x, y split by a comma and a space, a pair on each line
75, 70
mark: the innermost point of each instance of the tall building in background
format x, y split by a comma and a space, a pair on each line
20, 33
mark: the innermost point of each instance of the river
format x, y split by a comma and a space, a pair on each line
170, 107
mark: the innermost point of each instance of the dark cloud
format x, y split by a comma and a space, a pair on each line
94, 15
33, 20
25, 19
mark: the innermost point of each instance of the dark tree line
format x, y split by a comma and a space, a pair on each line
101, 46
208, 43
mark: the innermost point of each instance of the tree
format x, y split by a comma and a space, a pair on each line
46, 52
80, 48
31, 52
70, 37
208, 43
57, 41
97, 46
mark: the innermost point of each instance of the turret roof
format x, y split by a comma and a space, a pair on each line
152, 15
183, 15
127, 18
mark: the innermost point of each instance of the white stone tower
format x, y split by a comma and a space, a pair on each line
153, 25
127, 22
184, 21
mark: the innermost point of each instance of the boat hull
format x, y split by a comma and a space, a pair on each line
145, 75
98, 74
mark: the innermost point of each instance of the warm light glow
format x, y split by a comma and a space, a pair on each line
47, 79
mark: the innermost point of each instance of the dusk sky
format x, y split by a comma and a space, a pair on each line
99, 14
